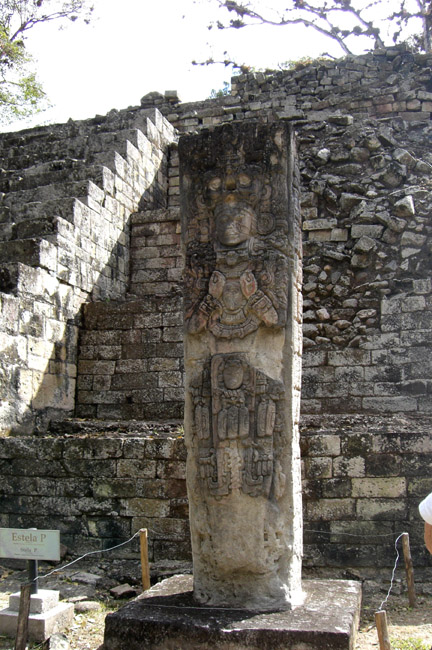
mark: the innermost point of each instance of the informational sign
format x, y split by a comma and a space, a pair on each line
30, 544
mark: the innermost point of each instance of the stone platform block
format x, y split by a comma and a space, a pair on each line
42, 602
166, 617
48, 616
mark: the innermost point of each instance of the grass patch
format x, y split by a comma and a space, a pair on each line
409, 644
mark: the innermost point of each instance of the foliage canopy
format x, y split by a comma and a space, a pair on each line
20, 92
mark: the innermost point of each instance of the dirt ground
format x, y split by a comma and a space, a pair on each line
409, 628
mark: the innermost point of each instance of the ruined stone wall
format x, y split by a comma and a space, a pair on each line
364, 135
366, 289
383, 83
366, 207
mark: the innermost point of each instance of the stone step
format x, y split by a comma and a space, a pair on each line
36, 210
133, 428
45, 173
55, 151
81, 139
142, 289
82, 190
26, 149
103, 315
31, 252
56, 173
35, 228
155, 216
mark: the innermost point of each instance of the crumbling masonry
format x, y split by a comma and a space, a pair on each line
92, 315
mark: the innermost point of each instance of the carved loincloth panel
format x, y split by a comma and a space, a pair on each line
237, 425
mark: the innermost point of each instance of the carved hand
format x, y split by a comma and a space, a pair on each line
262, 306
248, 284
216, 284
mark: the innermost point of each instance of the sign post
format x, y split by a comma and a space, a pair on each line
32, 567
33, 612
31, 545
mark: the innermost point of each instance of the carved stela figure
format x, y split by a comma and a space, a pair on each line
241, 238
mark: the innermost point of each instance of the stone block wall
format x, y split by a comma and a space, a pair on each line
131, 360
384, 83
366, 266
98, 490
39, 335
363, 478
156, 260
131, 351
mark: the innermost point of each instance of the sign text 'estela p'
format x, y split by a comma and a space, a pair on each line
30, 544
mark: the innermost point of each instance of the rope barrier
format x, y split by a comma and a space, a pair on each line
104, 550
306, 530
329, 532
393, 573
203, 607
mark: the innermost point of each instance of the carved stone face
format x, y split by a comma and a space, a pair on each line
233, 194
233, 374
234, 223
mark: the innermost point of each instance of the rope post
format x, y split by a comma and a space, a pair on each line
381, 626
409, 570
23, 616
144, 559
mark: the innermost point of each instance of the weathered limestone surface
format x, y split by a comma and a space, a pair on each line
242, 361
167, 617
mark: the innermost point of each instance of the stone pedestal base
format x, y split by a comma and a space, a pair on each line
47, 615
167, 618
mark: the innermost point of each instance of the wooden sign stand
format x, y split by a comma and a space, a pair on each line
23, 617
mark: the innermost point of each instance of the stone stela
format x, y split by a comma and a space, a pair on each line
241, 237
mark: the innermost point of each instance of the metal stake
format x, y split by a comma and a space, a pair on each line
32, 566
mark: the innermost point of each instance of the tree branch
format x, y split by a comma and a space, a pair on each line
322, 16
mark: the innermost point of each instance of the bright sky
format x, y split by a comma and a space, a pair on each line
134, 47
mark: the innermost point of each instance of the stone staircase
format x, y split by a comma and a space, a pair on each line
130, 359
61, 181
67, 193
